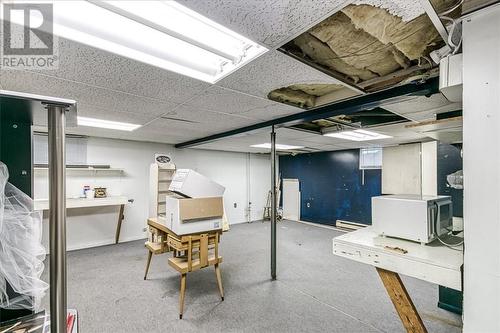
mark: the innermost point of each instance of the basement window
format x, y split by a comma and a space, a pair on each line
370, 158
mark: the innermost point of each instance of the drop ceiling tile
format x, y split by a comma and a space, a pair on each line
85, 64
407, 10
85, 110
270, 71
290, 133
103, 99
209, 120
317, 138
423, 108
271, 23
218, 99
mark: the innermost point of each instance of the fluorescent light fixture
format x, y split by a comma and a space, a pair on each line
93, 122
358, 135
164, 34
278, 146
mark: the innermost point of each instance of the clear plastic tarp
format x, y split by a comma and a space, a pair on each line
21, 251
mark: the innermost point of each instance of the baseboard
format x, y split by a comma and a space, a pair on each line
105, 242
349, 225
319, 225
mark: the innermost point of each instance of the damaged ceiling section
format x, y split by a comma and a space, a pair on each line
359, 120
310, 95
366, 46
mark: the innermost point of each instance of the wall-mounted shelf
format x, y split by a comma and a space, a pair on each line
89, 169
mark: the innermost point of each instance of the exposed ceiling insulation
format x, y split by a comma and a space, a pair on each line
371, 46
303, 95
361, 119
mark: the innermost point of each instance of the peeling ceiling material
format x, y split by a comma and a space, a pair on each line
303, 95
412, 38
361, 119
368, 43
344, 38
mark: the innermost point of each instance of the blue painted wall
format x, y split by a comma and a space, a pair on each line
331, 186
449, 160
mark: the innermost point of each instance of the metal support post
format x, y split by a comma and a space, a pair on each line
57, 216
273, 204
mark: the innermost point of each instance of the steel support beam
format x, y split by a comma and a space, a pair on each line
346, 107
273, 203
57, 216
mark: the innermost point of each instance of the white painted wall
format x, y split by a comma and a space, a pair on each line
481, 158
96, 226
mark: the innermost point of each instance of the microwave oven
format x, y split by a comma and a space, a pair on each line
412, 217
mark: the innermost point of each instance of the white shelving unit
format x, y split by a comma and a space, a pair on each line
159, 182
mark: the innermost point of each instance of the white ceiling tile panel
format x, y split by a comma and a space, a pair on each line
273, 70
102, 99
407, 10
228, 101
422, 108
268, 22
84, 110
290, 133
207, 119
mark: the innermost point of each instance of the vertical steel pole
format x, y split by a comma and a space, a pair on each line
57, 217
273, 204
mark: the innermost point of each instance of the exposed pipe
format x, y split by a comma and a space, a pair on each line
57, 216
273, 203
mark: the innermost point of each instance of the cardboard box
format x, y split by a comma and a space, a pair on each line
191, 184
193, 215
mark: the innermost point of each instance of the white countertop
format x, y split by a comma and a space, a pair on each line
434, 262
43, 204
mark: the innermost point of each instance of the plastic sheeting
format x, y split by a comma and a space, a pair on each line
21, 251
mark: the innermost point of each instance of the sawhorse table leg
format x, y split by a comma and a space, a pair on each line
402, 302
119, 224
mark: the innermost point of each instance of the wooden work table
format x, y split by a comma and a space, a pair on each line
434, 263
121, 201
190, 253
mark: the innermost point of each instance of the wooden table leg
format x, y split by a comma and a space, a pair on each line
119, 224
182, 294
402, 302
150, 254
219, 281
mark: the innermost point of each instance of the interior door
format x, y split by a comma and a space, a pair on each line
291, 199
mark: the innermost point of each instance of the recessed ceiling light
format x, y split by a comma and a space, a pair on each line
93, 122
358, 135
164, 34
278, 146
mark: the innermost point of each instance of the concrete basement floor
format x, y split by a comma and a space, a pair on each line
315, 291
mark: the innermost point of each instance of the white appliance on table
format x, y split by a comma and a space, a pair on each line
412, 217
